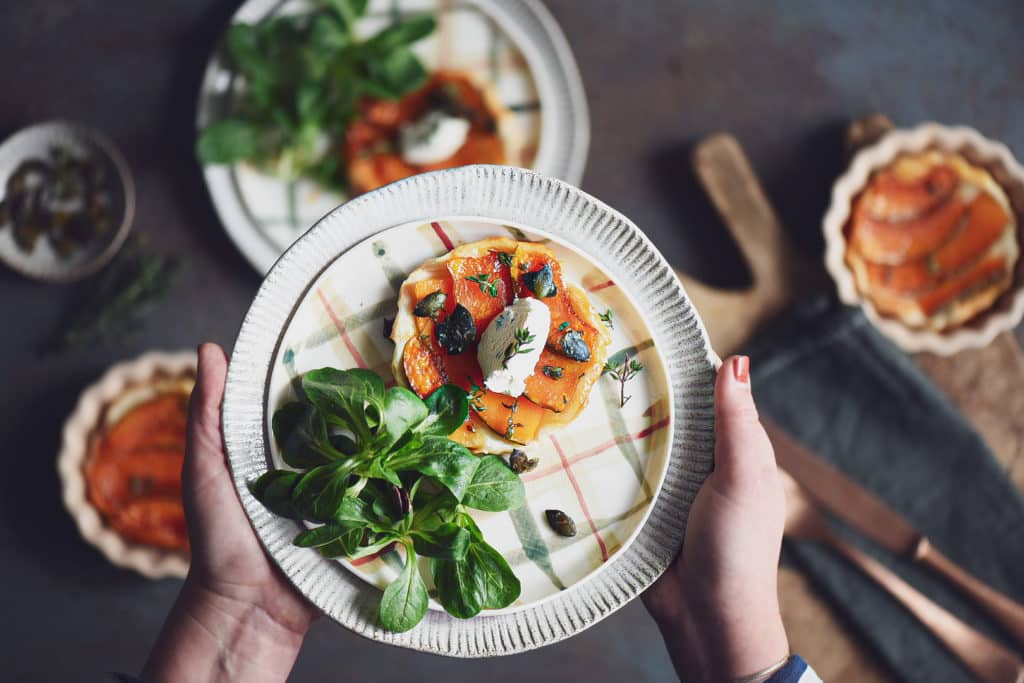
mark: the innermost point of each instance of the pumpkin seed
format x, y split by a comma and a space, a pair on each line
520, 462
552, 371
574, 346
541, 282
431, 305
561, 523
456, 332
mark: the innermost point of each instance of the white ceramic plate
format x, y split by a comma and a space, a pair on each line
293, 321
514, 44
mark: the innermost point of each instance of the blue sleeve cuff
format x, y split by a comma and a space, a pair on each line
795, 671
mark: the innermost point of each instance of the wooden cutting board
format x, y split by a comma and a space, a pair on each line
985, 384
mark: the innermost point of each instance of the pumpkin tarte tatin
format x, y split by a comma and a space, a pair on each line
133, 472
498, 423
371, 149
932, 240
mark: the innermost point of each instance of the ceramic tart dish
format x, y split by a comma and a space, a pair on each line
125, 387
924, 232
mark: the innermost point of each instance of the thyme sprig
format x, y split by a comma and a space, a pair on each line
522, 337
487, 285
623, 371
114, 303
512, 425
476, 396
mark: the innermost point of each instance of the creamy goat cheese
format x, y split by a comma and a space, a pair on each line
507, 354
432, 138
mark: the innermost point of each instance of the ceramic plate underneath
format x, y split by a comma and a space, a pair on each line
603, 469
299, 316
514, 45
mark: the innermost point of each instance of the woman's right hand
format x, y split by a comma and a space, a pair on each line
717, 604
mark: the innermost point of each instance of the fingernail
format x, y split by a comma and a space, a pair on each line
741, 369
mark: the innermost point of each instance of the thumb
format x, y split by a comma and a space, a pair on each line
743, 453
204, 452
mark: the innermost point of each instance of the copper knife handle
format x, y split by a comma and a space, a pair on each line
1007, 612
988, 660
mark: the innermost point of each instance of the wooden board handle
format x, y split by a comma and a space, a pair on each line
727, 176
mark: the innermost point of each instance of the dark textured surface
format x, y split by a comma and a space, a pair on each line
893, 432
783, 77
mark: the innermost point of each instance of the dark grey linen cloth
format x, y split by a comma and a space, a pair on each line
824, 374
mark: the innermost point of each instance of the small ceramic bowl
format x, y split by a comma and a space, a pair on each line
994, 157
123, 386
36, 142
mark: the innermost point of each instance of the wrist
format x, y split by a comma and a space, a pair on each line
213, 635
715, 644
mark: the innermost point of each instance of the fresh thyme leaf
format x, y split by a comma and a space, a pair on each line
504, 258
487, 285
476, 396
522, 337
564, 326
606, 318
511, 425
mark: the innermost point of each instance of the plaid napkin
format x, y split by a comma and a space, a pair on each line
825, 375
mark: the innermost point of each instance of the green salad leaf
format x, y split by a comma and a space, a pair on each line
301, 79
374, 467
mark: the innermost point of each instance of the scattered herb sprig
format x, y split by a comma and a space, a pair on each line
114, 302
511, 424
523, 336
476, 396
303, 77
376, 470
487, 285
623, 371
608, 319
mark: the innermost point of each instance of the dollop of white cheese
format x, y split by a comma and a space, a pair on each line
434, 137
507, 359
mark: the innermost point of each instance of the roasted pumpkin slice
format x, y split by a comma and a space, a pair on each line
421, 358
422, 365
983, 224
982, 274
893, 197
894, 242
560, 383
472, 434
153, 521
516, 419
567, 308
483, 285
162, 414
